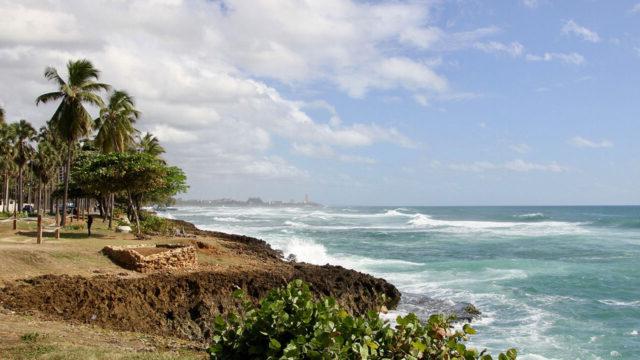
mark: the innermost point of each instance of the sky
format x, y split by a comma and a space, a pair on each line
523, 102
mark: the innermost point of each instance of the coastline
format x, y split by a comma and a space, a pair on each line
183, 303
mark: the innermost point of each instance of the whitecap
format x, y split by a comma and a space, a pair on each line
620, 303
543, 228
531, 216
166, 215
226, 219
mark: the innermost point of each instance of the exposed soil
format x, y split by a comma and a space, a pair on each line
184, 304
173, 303
244, 245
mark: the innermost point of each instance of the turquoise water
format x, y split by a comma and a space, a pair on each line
556, 282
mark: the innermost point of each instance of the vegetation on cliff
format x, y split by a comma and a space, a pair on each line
290, 324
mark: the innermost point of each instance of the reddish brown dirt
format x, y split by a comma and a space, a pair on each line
241, 245
182, 305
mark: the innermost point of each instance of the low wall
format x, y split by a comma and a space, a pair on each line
164, 256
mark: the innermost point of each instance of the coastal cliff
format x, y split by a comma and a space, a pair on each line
184, 303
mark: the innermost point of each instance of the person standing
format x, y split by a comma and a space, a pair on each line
89, 223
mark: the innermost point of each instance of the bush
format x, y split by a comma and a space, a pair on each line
155, 225
30, 337
289, 324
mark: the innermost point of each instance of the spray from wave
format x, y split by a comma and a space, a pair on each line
531, 217
520, 228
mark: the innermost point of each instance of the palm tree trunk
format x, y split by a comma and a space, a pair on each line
5, 193
4, 179
20, 189
65, 197
39, 198
112, 200
29, 188
135, 214
50, 198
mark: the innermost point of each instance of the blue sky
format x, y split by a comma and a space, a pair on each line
403, 102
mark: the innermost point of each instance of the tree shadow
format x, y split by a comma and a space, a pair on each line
63, 235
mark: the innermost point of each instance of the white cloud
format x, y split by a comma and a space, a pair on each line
636, 8
433, 38
427, 99
581, 142
421, 99
531, 3
572, 28
515, 49
197, 71
327, 152
33, 25
169, 134
272, 168
422, 37
396, 72
517, 165
520, 165
570, 58
520, 148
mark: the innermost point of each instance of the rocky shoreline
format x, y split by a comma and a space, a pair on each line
183, 303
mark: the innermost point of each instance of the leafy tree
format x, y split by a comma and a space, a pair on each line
149, 144
174, 182
2, 120
290, 324
71, 120
24, 134
138, 176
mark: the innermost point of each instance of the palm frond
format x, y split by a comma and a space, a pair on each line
81, 72
51, 73
91, 98
52, 96
95, 87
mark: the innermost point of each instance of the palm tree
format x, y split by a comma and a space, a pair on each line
7, 165
115, 124
71, 120
45, 163
149, 144
24, 134
115, 130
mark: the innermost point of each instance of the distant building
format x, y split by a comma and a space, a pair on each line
255, 201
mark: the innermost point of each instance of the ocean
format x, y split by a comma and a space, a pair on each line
554, 282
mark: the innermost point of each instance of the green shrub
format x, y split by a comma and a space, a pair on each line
289, 324
155, 225
30, 337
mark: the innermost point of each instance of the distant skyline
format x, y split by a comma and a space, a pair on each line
530, 102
